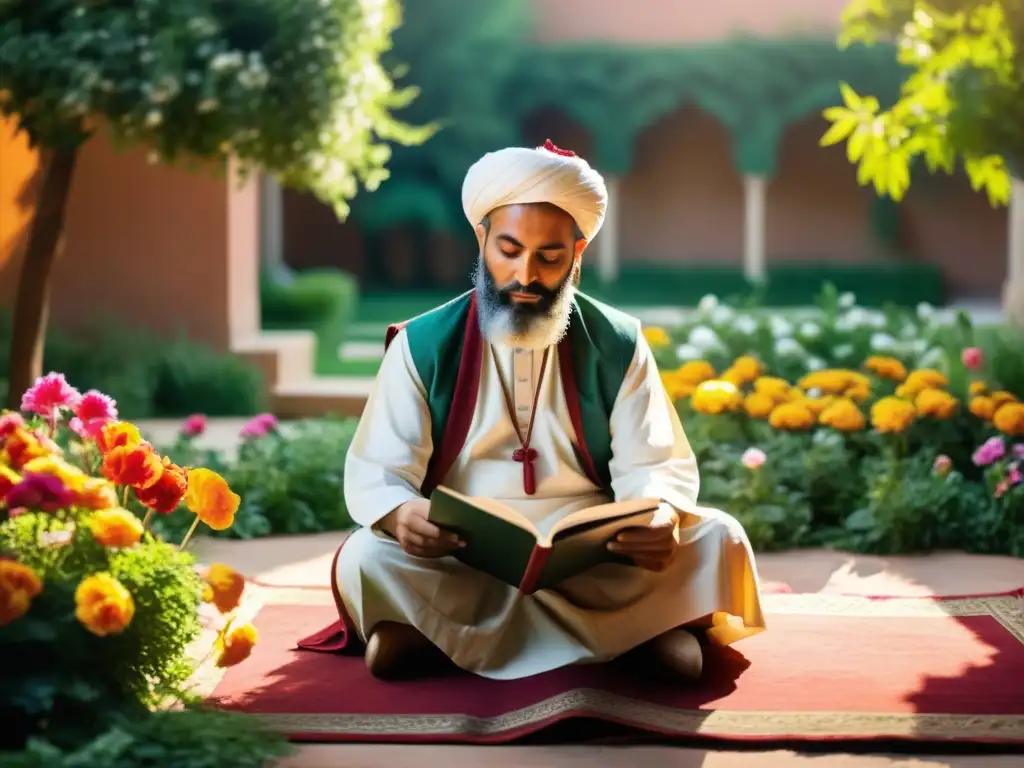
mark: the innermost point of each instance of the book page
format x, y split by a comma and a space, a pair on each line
601, 512
495, 508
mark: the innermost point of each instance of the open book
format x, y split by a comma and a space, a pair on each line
503, 543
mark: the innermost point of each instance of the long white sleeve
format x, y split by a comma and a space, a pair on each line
387, 460
651, 456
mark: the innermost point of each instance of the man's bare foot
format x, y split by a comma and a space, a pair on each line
393, 650
680, 651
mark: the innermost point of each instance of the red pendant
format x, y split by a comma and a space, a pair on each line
527, 456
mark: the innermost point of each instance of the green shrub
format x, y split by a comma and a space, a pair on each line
290, 481
148, 375
186, 739
310, 300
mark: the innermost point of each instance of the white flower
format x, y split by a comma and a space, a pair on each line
745, 324
844, 351
815, 363
809, 330
780, 326
687, 352
207, 105
908, 331
721, 315
707, 304
223, 62
882, 342
153, 118
788, 347
704, 338
919, 346
814, 393
847, 300
925, 311
934, 358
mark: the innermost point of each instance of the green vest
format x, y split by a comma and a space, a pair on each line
447, 351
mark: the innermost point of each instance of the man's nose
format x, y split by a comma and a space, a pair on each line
526, 269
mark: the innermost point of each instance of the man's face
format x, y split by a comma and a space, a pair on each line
529, 254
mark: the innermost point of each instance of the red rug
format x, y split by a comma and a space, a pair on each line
828, 668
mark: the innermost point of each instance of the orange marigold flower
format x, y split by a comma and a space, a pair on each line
936, 403
746, 368
792, 416
115, 527
210, 499
97, 493
818, 405
758, 405
978, 387
1009, 419
886, 367
21, 446
657, 337
103, 605
983, 407
19, 585
1002, 397
135, 465
776, 388
920, 380
716, 396
892, 415
696, 371
167, 492
225, 587
677, 387
117, 434
844, 415
235, 646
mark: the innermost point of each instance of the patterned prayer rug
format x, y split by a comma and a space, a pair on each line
829, 668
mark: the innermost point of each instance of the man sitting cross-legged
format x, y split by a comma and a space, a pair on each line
527, 391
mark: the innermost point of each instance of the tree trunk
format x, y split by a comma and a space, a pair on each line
32, 303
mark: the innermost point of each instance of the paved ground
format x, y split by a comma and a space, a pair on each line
305, 560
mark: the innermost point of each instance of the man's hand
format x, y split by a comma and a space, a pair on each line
417, 535
652, 547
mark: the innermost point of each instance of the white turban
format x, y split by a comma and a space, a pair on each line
518, 175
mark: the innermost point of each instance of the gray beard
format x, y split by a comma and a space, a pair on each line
504, 325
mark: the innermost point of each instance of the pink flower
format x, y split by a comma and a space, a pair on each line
753, 458
1018, 449
259, 426
1014, 475
93, 411
943, 464
45, 493
1002, 488
990, 451
10, 421
194, 425
972, 358
49, 394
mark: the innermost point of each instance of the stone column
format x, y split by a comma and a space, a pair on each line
754, 227
607, 244
1013, 288
272, 226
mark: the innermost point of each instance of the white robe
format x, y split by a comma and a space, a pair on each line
484, 625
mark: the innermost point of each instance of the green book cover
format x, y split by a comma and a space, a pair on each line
506, 545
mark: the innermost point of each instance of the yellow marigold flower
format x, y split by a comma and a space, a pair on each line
1009, 419
115, 527
19, 585
844, 415
103, 605
759, 405
696, 371
983, 407
716, 396
835, 381
818, 405
858, 391
733, 376
886, 367
792, 416
776, 388
747, 367
936, 403
892, 415
225, 586
978, 387
235, 646
920, 380
657, 337
676, 386
1002, 397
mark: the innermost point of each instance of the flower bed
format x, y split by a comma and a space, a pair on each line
810, 435
100, 613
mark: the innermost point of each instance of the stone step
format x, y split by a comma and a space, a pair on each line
283, 357
317, 396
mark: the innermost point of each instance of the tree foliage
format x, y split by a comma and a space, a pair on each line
294, 87
963, 99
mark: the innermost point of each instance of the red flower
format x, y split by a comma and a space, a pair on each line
166, 493
134, 465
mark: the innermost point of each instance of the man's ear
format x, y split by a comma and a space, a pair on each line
481, 235
580, 247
